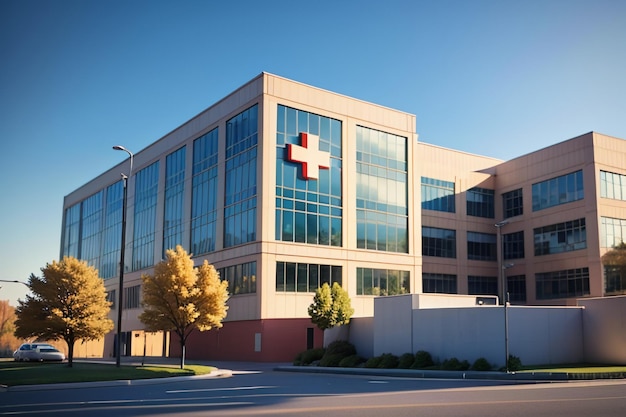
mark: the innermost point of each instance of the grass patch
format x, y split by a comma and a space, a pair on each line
34, 373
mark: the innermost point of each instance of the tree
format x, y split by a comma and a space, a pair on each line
614, 262
330, 307
68, 302
8, 341
180, 297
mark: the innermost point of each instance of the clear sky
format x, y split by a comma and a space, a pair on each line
491, 77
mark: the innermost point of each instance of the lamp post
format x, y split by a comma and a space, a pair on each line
118, 342
14, 281
506, 317
499, 255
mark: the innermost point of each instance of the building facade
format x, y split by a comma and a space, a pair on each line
284, 187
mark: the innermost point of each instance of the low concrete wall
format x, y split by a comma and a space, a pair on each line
604, 327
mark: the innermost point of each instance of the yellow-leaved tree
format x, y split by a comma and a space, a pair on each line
67, 302
180, 297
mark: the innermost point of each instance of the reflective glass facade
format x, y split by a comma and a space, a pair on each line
174, 198
112, 233
308, 211
513, 245
439, 283
303, 277
71, 233
513, 203
438, 195
561, 237
241, 278
559, 190
612, 185
481, 246
438, 242
241, 174
381, 282
204, 193
612, 232
479, 285
563, 284
381, 201
146, 193
91, 224
480, 202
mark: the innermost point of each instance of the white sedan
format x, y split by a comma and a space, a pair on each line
38, 352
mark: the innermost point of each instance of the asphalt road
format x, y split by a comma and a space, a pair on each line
264, 392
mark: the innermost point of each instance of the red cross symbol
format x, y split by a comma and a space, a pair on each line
309, 155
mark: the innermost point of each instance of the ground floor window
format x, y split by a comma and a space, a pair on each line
478, 285
563, 284
439, 283
371, 281
614, 280
301, 277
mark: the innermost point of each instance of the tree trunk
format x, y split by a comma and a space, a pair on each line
70, 352
182, 353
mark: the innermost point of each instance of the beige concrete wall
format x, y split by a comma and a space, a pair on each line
605, 330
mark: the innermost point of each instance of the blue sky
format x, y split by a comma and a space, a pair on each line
497, 78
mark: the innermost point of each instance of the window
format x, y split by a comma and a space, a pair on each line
438, 242
241, 174
513, 245
112, 233
612, 185
563, 284
559, 190
146, 188
438, 195
439, 283
91, 228
381, 282
241, 278
308, 211
111, 298
481, 246
204, 193
478, 285
561, 237
300, 277
516, 287
132, 297
612, 232
71, 231
174, 198
480, 202
614, 280
513, 203
381, 200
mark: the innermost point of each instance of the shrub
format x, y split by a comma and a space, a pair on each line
481, 364
515, 363
309, 356
453, 364
406, 360
373, 362
351, 361
331, 360
388, 361
423, 360
336, 352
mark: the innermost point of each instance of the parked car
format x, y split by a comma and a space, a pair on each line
38, 352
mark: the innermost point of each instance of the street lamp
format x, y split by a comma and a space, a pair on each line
118, 342
499, 254
506, 317
14, 281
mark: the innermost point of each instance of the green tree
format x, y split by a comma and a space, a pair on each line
180, 297
330, 307
68, 302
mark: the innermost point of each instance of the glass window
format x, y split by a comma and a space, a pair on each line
513, 203
438, 195
516, 287
478, 285
480, 202
481, 246
241, 278
302, 277
91, 227
241, 186
612, 232
174, 198
204, 193
438, 242
561, 237
559, 190
614, 280
382, 202
146, 192
308, 211
132, 297
513, 245
112, 233
71, 231
612, 185
381, 282
562, 284
439, 283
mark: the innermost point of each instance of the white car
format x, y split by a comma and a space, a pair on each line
38, 352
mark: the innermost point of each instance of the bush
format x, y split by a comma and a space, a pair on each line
423, 360
388, 361
406, 360
515, 363
453, 364
481, 364
309, 356
336, 352
373, 362
351, 361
